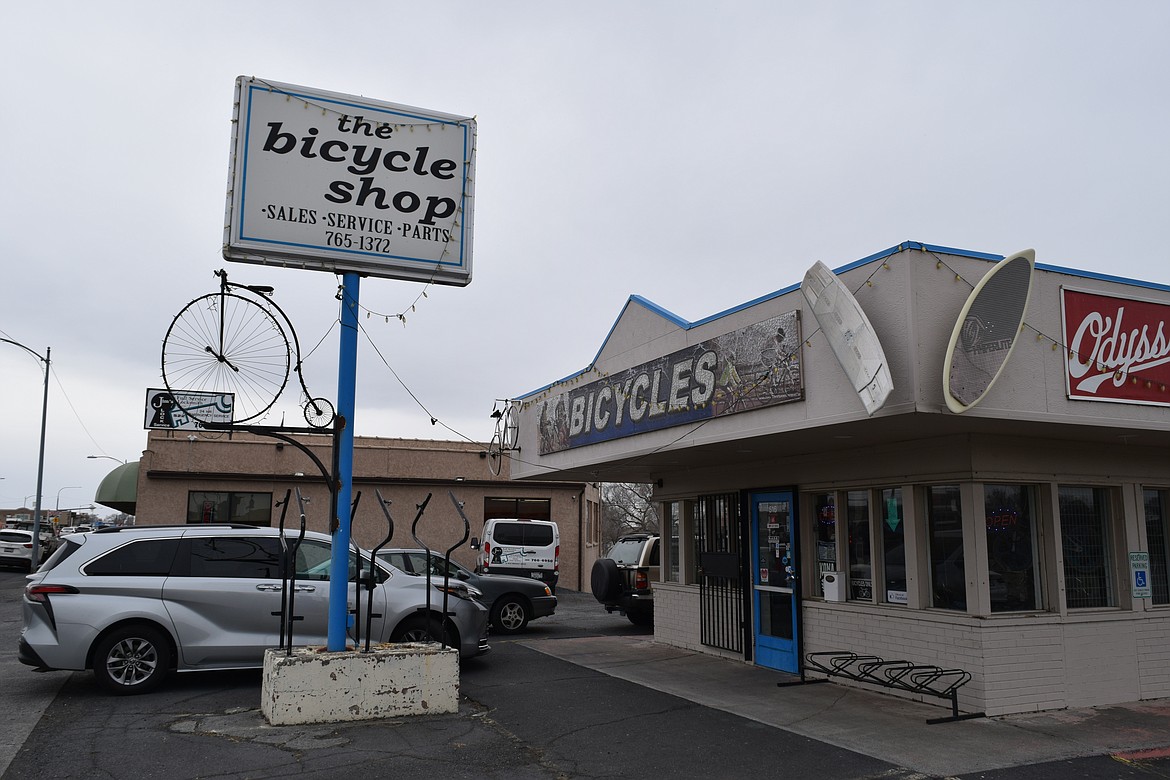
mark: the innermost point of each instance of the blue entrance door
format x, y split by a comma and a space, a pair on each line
774, 572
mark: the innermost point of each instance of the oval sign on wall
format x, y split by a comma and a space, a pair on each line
986, 331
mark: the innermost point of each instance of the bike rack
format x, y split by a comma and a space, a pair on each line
447, 558
906, 676
385, 504
288, 578
357, 583
284, 569
446, 562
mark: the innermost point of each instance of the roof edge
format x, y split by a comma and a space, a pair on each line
875, 257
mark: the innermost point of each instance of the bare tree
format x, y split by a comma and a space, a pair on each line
627, 507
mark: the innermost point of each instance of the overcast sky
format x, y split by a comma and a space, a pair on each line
697, 154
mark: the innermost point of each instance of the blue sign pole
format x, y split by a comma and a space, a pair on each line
346, 400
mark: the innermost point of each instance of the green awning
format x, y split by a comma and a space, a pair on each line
119, 490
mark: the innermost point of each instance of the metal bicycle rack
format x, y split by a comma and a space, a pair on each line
357, 586
373, 583
904, 676
446, 564
288, 573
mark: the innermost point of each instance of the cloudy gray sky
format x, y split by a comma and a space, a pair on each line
698, 154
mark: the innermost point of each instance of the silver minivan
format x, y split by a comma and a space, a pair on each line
135, 603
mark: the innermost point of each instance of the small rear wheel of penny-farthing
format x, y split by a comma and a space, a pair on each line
319, 412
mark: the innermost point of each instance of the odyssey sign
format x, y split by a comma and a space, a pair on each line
1118, 348
340, 183
747, 369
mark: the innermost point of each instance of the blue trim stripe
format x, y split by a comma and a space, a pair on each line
877, 256
1103, 277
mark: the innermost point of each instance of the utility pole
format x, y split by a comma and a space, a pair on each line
41, 457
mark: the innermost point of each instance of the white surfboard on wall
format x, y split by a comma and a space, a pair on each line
850, 335
986, 331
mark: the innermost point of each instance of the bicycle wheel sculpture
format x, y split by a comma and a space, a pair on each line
226, 343
319, 412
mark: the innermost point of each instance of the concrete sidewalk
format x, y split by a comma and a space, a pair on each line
880, 726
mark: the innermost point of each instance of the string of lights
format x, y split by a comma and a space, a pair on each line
592, 373
327, 109
408, 121
434, 420
1055, 344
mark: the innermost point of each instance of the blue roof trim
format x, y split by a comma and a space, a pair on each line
882, 255
644, 302
641, 301
654, 307
1103, 277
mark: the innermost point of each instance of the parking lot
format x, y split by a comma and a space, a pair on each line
580, 694
523, 714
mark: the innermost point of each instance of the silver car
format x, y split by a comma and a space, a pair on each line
135, 603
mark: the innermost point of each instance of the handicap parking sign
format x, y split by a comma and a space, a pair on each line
1139, 564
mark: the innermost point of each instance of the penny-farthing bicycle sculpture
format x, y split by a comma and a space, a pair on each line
235, 341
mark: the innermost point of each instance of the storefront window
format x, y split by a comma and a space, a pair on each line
893, 546
947, 566
1012, 574
672, 513
860, 556
522, 508
214, 507
1158, 543
825, 508
1084, 530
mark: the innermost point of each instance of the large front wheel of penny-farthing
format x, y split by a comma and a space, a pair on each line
222, 344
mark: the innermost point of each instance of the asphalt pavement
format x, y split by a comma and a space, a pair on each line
582, 694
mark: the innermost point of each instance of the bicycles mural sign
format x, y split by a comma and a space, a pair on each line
746, 369
339, 183
167, 410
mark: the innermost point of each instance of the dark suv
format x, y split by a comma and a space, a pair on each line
623, 580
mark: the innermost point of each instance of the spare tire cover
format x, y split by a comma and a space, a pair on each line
605, 580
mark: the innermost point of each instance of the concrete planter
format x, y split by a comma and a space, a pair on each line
316, 686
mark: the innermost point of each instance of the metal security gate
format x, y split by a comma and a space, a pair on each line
722, 610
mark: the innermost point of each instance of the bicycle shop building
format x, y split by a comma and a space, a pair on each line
198, 476
1020, 539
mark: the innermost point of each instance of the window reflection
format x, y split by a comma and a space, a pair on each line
1012, 575
947, 564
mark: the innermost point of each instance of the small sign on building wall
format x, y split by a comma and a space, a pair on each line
168, 411
1139, 567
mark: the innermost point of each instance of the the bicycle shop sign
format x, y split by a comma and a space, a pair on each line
746, 369
340, 183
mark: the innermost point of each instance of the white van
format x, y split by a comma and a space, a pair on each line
522, 548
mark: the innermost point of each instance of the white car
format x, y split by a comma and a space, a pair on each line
16, 548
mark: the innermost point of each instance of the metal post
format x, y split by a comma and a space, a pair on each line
41, 467
41, 458
346, 401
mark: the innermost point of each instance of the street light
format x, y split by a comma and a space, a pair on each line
107, 457
41, 458
71, 487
